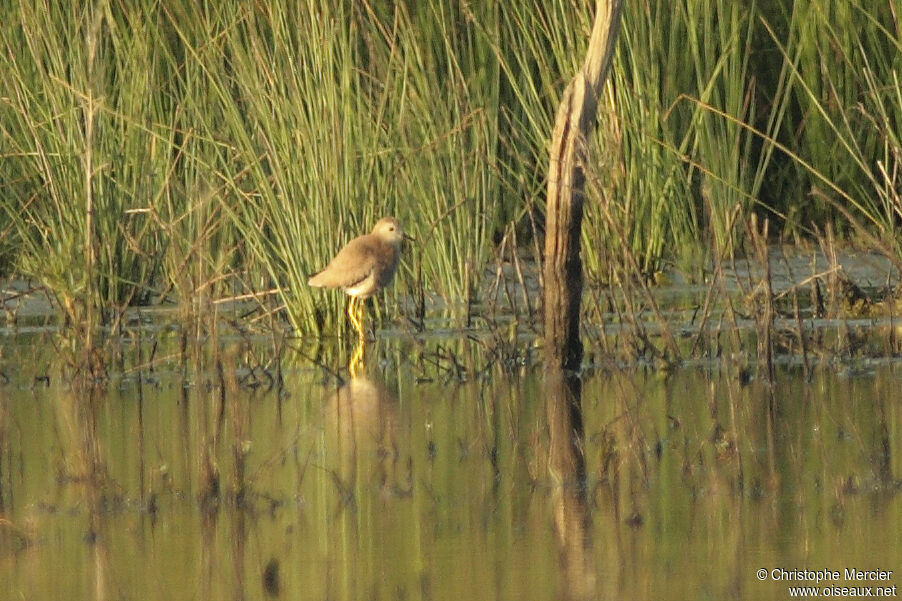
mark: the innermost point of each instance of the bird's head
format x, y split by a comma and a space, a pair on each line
389, 230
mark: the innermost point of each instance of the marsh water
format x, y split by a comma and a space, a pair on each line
446, 470
396, 487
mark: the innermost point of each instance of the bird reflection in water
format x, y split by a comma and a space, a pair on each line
360, 426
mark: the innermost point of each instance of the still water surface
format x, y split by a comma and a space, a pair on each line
399, 486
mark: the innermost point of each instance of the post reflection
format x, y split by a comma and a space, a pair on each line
567, 471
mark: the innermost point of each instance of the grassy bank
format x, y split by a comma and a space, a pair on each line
193, 152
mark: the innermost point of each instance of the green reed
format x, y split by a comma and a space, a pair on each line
84, 153
844, 59
328, 118
193, 151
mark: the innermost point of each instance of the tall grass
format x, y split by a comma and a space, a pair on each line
644, 203
80, 121
332, 116
844, 59
194, 150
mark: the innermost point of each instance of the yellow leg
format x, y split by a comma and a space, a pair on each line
355, 314
356, 359
361, 332
351, 311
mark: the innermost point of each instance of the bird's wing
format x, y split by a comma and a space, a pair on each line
353, 264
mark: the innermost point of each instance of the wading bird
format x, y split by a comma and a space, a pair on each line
363, 267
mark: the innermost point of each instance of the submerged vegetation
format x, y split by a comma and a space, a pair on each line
195, 152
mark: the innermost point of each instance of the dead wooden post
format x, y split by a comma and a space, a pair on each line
563, 273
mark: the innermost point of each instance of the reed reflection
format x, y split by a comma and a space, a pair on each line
86, 468
225, 426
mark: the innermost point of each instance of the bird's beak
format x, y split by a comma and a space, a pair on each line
409, 238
